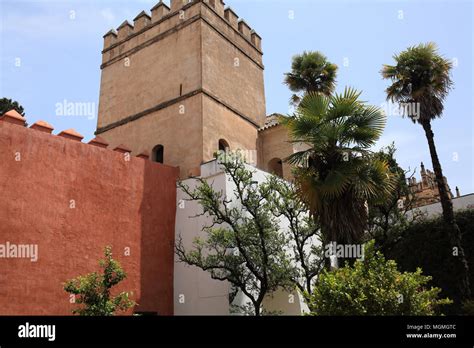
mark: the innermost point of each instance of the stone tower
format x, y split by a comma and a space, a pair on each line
426, 191
182, 83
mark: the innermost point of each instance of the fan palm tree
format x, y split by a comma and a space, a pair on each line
311, 72
421, 76
336, 175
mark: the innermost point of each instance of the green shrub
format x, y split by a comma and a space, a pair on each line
92, 292
425, 244
374, 286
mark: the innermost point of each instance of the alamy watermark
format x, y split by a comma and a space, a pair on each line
76, 109
346, 251
411, 110
247, 156
21, 251
28, 330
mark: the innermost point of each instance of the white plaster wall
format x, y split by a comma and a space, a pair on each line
459, 203
195, 293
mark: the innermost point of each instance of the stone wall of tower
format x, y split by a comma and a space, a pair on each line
180, 134
274, 144
221, 123
184, 77
232, 67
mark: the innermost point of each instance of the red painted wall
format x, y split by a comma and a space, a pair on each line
125, 204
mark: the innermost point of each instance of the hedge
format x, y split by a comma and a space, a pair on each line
425, 244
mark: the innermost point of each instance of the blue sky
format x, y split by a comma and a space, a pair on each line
50, 52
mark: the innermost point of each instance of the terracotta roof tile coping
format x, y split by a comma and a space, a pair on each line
14, 117
99, 141
42, 126
71, 134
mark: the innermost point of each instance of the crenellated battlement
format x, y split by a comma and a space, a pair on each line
15, 118
146, 27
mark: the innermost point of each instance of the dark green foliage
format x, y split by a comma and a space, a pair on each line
424, 245
92, 291
9, 104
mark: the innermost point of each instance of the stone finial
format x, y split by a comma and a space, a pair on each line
422, 168
71, 134
458, 193
42, 126
99, 141
14, 117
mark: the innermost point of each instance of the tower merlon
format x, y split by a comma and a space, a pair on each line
110, 38
244, 29
219, 7
232, 18
159, 11
141, 21
124, 30
176, 5
256, 39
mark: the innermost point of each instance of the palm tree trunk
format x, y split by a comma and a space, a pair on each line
460, 262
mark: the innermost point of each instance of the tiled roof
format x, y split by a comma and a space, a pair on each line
271, 121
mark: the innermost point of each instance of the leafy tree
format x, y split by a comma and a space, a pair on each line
374, 286
92, 290
304, 234
244, 242
336, 174
8, 104
311, 72
421, 76
390, 217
